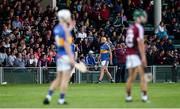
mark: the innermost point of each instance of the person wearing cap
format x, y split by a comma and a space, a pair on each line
65, 56
104, 58
90, 59
136, 58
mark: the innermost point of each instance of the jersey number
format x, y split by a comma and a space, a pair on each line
129, 38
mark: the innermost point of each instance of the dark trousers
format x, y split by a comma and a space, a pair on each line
120, 74
174, 74
46, 76
73, 78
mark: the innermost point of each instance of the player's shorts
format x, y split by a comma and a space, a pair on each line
104, 63
63, 63
132, 61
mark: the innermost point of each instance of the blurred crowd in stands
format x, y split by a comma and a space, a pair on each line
26, 38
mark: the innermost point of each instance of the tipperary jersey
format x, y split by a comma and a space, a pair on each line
73, 48
134, 34
105, 52
61, 38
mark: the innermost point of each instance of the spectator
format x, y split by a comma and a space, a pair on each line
123, 17
16, 23
6, 31
82, 34
19, 61
150, 57
170, 46
120, 53
42, 62
160, 58
118, 21
7, 43
11, 58
105, 14
3, 56
90, 59
161, 31
169, 59
32, 62
26, 28
118, 6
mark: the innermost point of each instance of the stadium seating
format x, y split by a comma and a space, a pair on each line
26, 29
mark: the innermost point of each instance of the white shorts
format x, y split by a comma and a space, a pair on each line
104, 63
132, 61
63, 63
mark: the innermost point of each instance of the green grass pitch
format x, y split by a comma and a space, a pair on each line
162, 95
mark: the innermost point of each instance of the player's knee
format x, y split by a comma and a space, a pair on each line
142, 79
57, 79
106, 69
103, 68
130, 79
63, 85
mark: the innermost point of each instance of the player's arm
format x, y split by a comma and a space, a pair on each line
141, 48
67, 48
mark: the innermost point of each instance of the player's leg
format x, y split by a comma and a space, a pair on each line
143, 83
109, 75
66, 75
55, 84
131, 78
101, 74
52, 88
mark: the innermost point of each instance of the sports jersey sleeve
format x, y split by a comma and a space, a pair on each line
108, 46
59, 34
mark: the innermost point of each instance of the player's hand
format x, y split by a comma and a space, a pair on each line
144, 61
72, 62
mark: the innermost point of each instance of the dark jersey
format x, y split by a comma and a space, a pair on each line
134, 33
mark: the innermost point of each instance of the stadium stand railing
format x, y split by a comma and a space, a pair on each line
41, 75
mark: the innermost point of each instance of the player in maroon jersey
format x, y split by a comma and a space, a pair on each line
136, 59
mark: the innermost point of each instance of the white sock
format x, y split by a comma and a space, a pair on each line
128, 98
145, 97
48, 97
61, 101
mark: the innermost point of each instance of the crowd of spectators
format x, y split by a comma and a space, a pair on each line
26, 38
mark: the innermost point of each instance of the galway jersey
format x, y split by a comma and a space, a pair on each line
134, 33
61, 38
105, 52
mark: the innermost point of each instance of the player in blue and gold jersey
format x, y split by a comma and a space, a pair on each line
65, 55
104, 58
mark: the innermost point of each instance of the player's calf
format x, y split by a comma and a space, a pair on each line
61, 100
144, 96
48, 97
